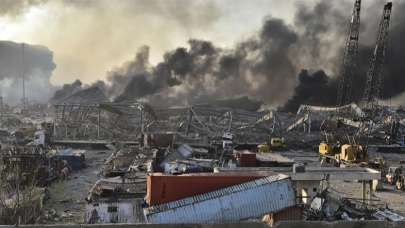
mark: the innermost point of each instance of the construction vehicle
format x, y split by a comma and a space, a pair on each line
337, 153
346, 153
396, 177
372, 90
263, 148
328, 150
352, 153
350, 54
393, 175
400, 183
277, 143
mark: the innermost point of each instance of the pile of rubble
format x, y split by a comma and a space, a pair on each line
169, 165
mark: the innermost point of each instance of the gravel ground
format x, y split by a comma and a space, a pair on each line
67, 197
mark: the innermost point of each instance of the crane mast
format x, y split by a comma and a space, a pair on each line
349, 57
372, 91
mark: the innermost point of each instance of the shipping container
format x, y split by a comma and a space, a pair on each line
246, 159
166, 188
232, 204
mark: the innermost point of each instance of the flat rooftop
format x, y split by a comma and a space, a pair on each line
315, 173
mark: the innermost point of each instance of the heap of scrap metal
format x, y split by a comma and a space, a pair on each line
101, 121
128, 121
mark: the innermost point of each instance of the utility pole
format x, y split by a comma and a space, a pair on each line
349, 63
372, 90
24, 99
1, 110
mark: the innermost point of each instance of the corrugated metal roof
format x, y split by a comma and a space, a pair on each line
248, 200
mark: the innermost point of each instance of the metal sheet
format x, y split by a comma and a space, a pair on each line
248, 200
124, 211
388, 215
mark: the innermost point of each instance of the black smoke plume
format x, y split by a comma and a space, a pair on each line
323, 90
264, 67
66, 91
33, 62
257, 68
283, 65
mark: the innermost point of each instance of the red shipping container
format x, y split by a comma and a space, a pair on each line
166, 188
246, 159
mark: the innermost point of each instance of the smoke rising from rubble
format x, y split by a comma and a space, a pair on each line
66, 91
264, 67
203, 72
37, 66
282, 65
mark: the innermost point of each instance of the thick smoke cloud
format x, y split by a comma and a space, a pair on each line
283, 65
14, 8
264, 67
323, 91
66, 91
313, 89
90, 37
36, 64
119, 78
321, 30
394, 80
258, 68
78, 93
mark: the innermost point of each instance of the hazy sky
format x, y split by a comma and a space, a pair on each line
88, 38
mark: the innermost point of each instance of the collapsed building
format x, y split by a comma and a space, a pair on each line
123, 121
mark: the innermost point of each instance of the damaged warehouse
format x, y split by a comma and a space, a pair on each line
282, 129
